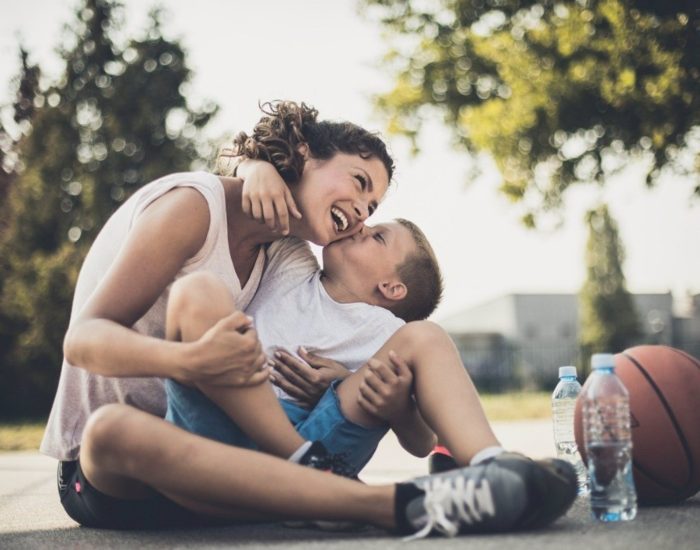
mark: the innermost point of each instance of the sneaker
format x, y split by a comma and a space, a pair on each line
506, 493
318, 457
552, 495
328, 525
439, 462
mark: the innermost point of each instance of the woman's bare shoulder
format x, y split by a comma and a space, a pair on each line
182, 213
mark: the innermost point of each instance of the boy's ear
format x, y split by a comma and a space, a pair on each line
393, 290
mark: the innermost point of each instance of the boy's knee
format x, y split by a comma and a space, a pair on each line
418, 334
199, 293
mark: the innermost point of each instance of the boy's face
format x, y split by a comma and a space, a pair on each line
369, 258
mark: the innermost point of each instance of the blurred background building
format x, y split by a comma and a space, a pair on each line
519, 340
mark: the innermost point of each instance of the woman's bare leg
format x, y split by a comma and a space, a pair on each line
128, 453
444, 392
197, 302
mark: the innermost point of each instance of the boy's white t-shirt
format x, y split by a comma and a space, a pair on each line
292, 308
80, 392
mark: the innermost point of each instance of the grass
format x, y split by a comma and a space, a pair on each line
21, 435
26, 435
517, 406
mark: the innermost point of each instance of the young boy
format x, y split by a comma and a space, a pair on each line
344, 312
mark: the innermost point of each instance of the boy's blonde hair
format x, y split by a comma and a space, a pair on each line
420, 273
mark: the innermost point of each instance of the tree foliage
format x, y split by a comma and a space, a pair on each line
608, 319
115, 119
557, 91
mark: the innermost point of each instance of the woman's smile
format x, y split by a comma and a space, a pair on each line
340, 219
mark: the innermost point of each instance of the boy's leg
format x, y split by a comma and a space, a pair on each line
350, 445
444, 392
127, 453
196, 303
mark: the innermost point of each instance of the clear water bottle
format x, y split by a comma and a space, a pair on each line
608, 441
563, 406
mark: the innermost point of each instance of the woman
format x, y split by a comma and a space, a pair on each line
114, 351
121, 467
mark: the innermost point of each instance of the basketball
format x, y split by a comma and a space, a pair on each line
664, 389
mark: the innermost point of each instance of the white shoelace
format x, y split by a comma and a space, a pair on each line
449, 501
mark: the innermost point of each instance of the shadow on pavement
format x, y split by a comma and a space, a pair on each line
675, 527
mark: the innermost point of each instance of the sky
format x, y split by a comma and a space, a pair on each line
328, 54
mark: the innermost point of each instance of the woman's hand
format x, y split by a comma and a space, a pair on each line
385, 391
228, 354
305, 380
266, 197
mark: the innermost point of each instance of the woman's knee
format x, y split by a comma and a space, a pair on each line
114, 454
123, 440
104, 431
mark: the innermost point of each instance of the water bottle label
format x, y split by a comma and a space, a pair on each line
606, 420
563, 416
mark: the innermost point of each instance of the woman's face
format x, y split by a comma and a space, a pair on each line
337, 195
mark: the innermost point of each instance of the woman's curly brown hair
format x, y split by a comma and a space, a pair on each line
287, 125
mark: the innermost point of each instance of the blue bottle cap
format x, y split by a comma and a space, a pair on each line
603, 361
567, 371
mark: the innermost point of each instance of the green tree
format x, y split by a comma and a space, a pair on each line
113, 121
27, 84
557, 91
6, 173
21, 113
608, 319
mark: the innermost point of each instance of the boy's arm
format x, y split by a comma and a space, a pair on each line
265, 195
385, 393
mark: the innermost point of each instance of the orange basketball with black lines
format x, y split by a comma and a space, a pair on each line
664, 389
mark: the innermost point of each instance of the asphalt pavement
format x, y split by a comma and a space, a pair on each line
31, 515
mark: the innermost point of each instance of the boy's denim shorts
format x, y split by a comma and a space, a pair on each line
191, 410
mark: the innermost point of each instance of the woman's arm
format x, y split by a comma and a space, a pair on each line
100, 340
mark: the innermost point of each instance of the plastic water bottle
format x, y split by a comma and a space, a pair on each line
563, 406
608, 440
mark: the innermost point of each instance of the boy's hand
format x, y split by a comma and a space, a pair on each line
386, 390
266, 197
305, 380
